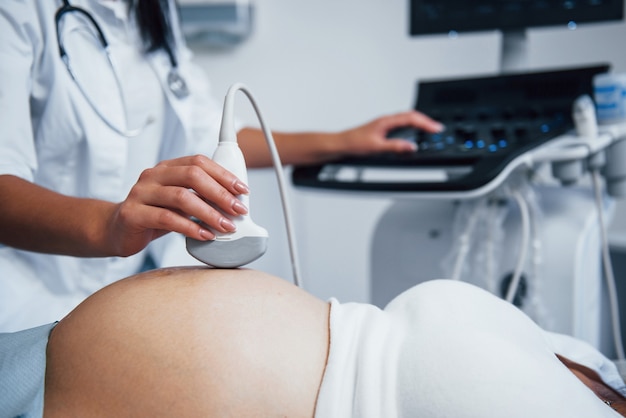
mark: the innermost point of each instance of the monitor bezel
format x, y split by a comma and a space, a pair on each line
507, 16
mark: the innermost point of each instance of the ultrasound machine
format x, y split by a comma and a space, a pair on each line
514, 195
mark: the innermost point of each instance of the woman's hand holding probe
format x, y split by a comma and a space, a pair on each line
167, 197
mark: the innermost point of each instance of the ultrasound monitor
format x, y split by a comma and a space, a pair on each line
511, 17
491, 122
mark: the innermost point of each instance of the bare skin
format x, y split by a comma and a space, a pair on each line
593, 382
190, 343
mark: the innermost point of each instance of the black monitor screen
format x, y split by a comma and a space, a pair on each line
445, 16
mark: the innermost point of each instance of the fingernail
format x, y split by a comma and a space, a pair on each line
207, 235
241, 188
227, 224
440, 127
240, 208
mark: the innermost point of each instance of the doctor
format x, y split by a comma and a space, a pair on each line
105, 123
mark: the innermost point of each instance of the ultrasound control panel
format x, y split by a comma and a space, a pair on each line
489, 122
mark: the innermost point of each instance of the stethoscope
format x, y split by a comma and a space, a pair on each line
175, 82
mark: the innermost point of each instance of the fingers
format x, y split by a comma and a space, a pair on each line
184, 203
216, 172
399, 146
415, 119
139, 224
171, 187
168, 195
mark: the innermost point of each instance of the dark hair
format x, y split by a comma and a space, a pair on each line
153, 19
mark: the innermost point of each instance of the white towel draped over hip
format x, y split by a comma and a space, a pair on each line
449, 349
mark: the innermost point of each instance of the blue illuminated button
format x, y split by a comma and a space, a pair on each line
503, 143
480, 144
469, 144
493, 148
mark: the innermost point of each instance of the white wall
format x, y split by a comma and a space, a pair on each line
332, 64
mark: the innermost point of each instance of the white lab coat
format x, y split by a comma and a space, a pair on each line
51, 136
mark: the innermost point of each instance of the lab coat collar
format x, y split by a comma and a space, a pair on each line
104, 9
113, 17
119, 8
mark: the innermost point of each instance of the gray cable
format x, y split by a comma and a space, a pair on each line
608, 270
525, 219
278, 168
606, 260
